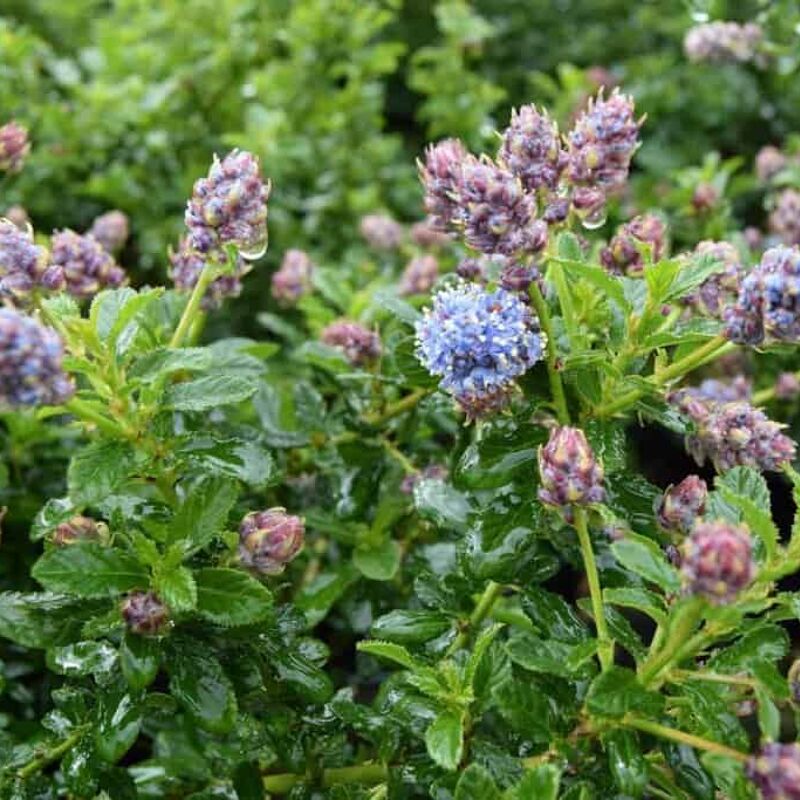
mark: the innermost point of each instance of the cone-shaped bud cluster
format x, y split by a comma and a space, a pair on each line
293, 280
426, 234
717, 391
787, 386
720, 42
229, 207
269, 540
24, 265
770, 160
717, 561
680, 506
359, 344
517, 277
733, 434
775, 771
111, 230
603, 141
419, 275
569, 472
471, 269
186, 265
144, 613
531, 149
30, 363
623, 255
478, 343
87, 266
784, 220
381, 232
77, 529
433, 472
440, 174
768, 305
14, 147
721, 289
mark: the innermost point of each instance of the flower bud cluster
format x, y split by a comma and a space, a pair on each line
111, 230
717, 561
569, 472
478, 343
293, 279
770, 160
381, 232
269, 540
78, 529
784, 219
680, 506
14, 147
358, 344
776, 771
186, 265
719, 42
419, 275
623, 255
144, 613
718, 391
25, 265
86, 265
31, 373
733, 434
787, 386
720, 289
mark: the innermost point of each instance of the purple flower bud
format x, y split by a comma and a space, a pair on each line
30, 363
719, 42
87, 267
589, 204
717, 391
602, 143
111, 230
441, 179
77, 529
433, 472
516, 277
718, 561
570, 474
14, 147
776, 771
721, 289
733, 434
293, 279
359, 345
681, 505
18, 215
471, 269
769, 162
498, 216
269, 540
784, 220
426, 234
24, 264
743, 326
705, 197
229, 207
623, 255
187, 264
381, 232
787, 387
753, 237
531, 149
478, 343
144, 613
557, 210
419, 275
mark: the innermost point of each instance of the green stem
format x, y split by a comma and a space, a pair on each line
207, 275
40, 762
82, 410
656, 729
362, 773
556, 274
395, 409
605, 649
556, 386
677, 369
713, 677
479, 614
673, 649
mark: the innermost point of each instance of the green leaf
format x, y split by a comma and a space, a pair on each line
689, 773
410, 627
139, 658
42, 619
204, 512
165, 361
176, 587
389, 651
119, 720
766, 642
599, 278
82, 658
440, 503
769, 717
476, 783
553, 617
617, 691
231, 597
482, 644
247, 461
378, 562
98, 470
302, 675
199, 684
626, 762
317, 599
51, 514
209, 391
525, 708
444, 739
88, 569
641, 599
113, 309
539, 783
548, 655
645, 558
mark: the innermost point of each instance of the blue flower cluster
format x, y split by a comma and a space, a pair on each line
478, 342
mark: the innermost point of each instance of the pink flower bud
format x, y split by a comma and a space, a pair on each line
681, 505
269, 540
144, 613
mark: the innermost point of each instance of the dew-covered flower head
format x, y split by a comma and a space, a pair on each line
25, 265
87, 266
623, 255
680, 506
775, 771
478, 342
720, 289
440, 174
186, 265
31, 373
358, 344
144, 613
269, 540
229, 207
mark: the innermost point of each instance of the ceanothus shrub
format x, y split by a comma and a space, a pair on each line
403, 546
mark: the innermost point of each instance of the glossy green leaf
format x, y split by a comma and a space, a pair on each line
210, 391
540, 783
378, 562
98, 470
119, 720
617, 691
204, 512
476, 783
140, 658
645, 558
410, 627
444, 739
627, 762
231, 597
